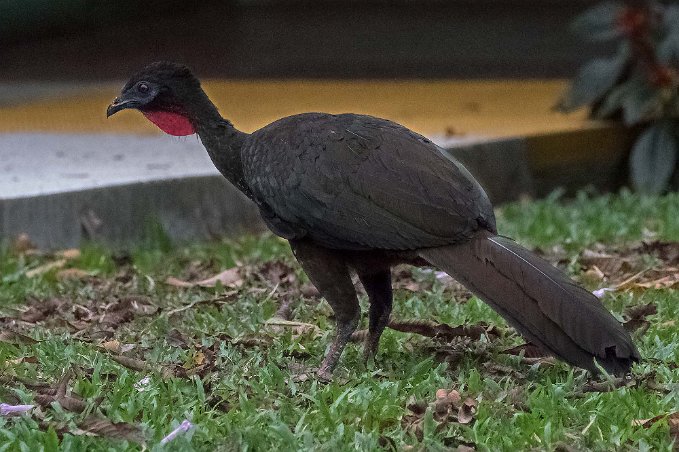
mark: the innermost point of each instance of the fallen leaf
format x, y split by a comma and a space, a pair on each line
636, 317
198, 359
441, 330
668, 252
14, 338
100, 426
672, 423
277, 272
130, 363
606, 264
467, 411
40, 310
112, 346
448, 407
228, 278
22, 359
69, 402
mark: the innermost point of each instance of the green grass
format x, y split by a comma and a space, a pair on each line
250, 399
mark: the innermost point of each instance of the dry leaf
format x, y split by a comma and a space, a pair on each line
22, 359
672, 422
130, 363
636, 317
441, 330
40, 310
467, 411
100, 426
112, 346
198, 359
448, 407
14, 338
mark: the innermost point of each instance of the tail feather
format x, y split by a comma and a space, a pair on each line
540, 301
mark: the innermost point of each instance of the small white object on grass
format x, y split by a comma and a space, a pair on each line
12, 410
599, 293
142, 384
184, 427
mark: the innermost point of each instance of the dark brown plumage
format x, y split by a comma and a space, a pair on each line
354, 192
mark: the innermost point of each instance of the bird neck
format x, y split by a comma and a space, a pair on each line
222, 141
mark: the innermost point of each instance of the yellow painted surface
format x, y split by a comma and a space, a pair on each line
492, 108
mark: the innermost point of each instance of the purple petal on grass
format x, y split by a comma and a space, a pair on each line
600, 292
184, 427
12, 410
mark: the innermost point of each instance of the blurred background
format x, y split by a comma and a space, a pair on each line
88, 40
479, 77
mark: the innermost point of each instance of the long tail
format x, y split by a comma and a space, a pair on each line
541, 302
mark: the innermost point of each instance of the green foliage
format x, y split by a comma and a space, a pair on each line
251, 401
639, 85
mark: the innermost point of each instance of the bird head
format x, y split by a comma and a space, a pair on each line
163, 92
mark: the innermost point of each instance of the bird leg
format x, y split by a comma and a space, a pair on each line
330, 274
378, 287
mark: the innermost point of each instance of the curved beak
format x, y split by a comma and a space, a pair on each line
117, 105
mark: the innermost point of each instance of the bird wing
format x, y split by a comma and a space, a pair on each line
359, 182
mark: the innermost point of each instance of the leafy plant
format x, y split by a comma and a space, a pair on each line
639, 85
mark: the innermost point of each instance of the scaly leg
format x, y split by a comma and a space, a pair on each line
330, 274
378, 287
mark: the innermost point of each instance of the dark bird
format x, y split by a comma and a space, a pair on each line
358, 193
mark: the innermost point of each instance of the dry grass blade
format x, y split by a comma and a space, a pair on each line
299, 328
228, 278
45, 268
226, 297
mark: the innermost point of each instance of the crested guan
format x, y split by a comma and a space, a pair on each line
358, 193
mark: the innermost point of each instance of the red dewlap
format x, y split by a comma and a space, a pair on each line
171, 123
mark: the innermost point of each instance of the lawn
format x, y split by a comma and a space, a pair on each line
114, 353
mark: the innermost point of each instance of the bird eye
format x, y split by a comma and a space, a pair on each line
143, 88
